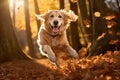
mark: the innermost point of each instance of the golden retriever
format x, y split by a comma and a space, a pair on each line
52, 33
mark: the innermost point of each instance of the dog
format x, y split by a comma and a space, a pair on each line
52, 33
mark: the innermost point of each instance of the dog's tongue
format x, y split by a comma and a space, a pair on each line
55, 29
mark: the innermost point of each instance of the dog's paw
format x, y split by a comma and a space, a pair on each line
72, 52
75, 54
52, 58
56, 63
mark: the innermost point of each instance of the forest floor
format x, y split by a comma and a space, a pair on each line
100, 67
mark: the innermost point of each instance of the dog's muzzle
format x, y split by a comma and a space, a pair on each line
55, 27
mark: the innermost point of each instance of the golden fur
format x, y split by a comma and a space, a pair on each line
52, 33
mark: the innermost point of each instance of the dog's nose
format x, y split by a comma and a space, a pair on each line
55, 22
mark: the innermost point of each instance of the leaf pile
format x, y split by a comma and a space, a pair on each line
100, 67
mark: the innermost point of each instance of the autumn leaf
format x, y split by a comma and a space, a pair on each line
87, 23
101, 36
111, 23
97, 14
110, 17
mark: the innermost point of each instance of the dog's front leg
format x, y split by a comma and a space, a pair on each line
46, 50
72, 52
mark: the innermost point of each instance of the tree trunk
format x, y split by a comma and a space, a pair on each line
98, 22
61, 4
98, 26
37, 12
9, 47
28, 29
74, 28
84, 17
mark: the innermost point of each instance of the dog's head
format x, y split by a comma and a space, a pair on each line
55, 21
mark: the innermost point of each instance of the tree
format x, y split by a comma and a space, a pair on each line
9, 47
28, 29
97, 12
74, 28
84, 21
61, 4
37, 12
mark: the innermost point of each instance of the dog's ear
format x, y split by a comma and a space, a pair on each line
41, 17
70, 15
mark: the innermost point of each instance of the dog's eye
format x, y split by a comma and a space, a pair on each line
60, 16
52, 16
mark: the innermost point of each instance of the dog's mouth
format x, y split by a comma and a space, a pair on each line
55, 29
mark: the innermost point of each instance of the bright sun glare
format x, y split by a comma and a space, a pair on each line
17, 3
14, 5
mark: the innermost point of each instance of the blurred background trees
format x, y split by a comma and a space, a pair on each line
97, 28
9, 46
